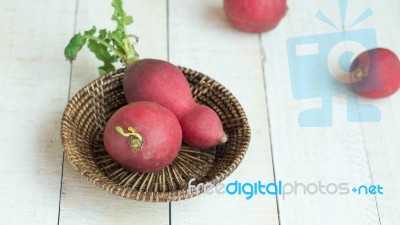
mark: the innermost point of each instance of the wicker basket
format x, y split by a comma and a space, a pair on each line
88, 111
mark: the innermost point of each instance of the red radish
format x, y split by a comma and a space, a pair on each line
143, 137
199, 128
376, 73
161, 82
158, 81
255, 16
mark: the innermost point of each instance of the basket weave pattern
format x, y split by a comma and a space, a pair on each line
86, 115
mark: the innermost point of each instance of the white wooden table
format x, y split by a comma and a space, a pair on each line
39, 185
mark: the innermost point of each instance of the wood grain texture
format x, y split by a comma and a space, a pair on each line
35, 85
382, 139
202, 39
82, 202
346, 152
34, 76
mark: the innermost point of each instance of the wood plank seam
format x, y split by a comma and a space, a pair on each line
263, 59
69, 96
370, 172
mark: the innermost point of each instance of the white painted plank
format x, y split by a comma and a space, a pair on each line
328, 154
202, 39
82, 202
382, 139
33, 93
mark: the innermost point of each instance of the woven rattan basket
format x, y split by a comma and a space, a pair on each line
88, 111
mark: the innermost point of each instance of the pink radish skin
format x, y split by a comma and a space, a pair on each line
158, 81
255, 16
161, 82
202, 127
159, 139
376, 73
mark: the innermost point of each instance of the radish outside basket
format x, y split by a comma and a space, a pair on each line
88, 111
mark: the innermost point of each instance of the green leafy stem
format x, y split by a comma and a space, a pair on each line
110, 47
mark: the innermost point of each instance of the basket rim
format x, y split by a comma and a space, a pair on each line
150, 196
